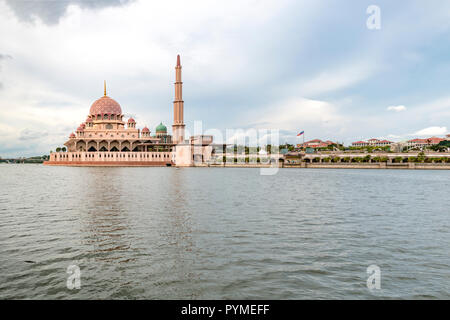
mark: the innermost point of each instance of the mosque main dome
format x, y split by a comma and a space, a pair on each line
105, 105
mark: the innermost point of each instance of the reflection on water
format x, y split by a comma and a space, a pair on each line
206, 233
105, 220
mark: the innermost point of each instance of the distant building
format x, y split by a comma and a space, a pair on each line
316, 143
372, 143
424, 142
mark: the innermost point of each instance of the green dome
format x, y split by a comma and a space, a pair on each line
161, 128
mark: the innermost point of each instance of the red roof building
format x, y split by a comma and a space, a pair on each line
316, 143
424, 142
372, 143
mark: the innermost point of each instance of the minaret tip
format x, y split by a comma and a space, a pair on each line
104, 87
178, 61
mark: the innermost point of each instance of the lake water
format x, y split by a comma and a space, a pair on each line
223, 233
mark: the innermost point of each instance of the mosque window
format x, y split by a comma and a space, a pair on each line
109, 126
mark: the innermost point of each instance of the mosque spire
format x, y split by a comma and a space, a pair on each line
104, 87
178, 106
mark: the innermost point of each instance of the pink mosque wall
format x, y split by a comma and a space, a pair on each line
102, 157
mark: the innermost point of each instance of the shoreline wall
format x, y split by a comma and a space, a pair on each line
400, 166
108, 163
381, 165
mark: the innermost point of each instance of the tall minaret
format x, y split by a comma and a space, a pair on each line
178, 107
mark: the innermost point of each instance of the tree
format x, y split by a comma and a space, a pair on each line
288, 146
440, 147
445, 144
58, 149
421, 157
63, 149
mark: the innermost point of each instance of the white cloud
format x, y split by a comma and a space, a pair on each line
295, 113
394, 136
431, 131
319, 119
337, 78
396, 108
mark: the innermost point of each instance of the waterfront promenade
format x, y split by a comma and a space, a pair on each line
338, 160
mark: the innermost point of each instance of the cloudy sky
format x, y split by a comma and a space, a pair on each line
287, 65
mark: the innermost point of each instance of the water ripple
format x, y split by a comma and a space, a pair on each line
205, 233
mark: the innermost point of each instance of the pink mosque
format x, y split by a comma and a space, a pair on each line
105, 139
